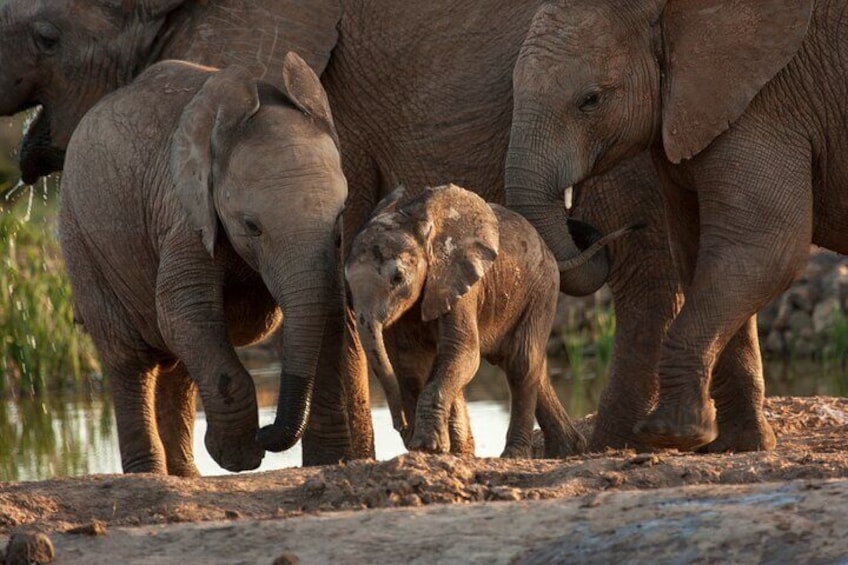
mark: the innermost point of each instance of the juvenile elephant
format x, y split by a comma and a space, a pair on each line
740, 104
65, 55
187, 149
454, 278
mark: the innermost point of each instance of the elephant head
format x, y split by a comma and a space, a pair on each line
428, 250
264, 164
64, 55
598, 82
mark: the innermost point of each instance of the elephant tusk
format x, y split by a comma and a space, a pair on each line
569, 197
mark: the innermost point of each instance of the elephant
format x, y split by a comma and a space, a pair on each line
736, 104
459, 279
65, 55
421, 95
152, 174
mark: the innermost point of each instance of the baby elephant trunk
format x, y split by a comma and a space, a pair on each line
371, 334
590, 251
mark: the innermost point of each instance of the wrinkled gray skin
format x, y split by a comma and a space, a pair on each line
728, 96
456, 279
417, 99
196, 205
67, 54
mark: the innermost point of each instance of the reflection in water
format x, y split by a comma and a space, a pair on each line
63, 436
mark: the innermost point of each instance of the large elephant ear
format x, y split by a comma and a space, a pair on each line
226, 99
718, 55
303, 88
463, 242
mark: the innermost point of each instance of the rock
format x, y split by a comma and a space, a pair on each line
824, 314
95, 528
799, 321
29, 548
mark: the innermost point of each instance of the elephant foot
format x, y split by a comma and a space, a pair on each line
187, 470
430, 437
738, 437
567, 445
604, 440
679, 426
145, 465
517, 451
234, 453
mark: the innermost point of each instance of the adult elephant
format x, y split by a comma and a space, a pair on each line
421, 94
739, 103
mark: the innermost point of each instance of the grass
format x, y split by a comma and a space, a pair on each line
589, 348
834, 346
40, 349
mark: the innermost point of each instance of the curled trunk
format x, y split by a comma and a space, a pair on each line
307, 300
530, 193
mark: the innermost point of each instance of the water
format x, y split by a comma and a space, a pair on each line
76, 434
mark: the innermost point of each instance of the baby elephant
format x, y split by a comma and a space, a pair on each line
196, 205
451, 277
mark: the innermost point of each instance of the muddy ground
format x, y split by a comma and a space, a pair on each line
783, 506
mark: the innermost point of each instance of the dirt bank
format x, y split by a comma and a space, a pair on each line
812, 449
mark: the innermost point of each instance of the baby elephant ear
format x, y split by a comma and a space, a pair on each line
303, 89
227, 98
463, 244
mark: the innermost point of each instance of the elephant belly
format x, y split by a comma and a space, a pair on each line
830, 207
252, 313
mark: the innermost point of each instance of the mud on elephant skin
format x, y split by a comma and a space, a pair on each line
453, 278
196, 205
743, 148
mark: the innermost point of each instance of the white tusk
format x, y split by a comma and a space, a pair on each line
569, 197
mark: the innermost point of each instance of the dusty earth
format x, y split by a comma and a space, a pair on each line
784, 506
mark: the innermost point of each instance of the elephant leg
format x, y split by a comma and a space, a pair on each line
132, 383
561, 437
756, 227
457, 360
738, 390
459, 428
339, 427
175, 415
646, 295
523, 378
192, 320
412, 359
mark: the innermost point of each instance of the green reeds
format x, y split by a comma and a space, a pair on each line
40, 348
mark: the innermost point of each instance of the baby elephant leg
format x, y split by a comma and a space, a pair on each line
459, 428
561, 437
132, 384
175, 414
523, 376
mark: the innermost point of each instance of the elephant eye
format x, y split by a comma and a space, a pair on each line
397, 279
46, 36
590, 101
252, 227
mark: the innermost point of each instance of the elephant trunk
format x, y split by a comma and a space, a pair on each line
534, 191
371, 335
307, 299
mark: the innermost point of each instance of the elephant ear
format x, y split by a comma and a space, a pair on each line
463, 242
718, 55
303, 88
227, 98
